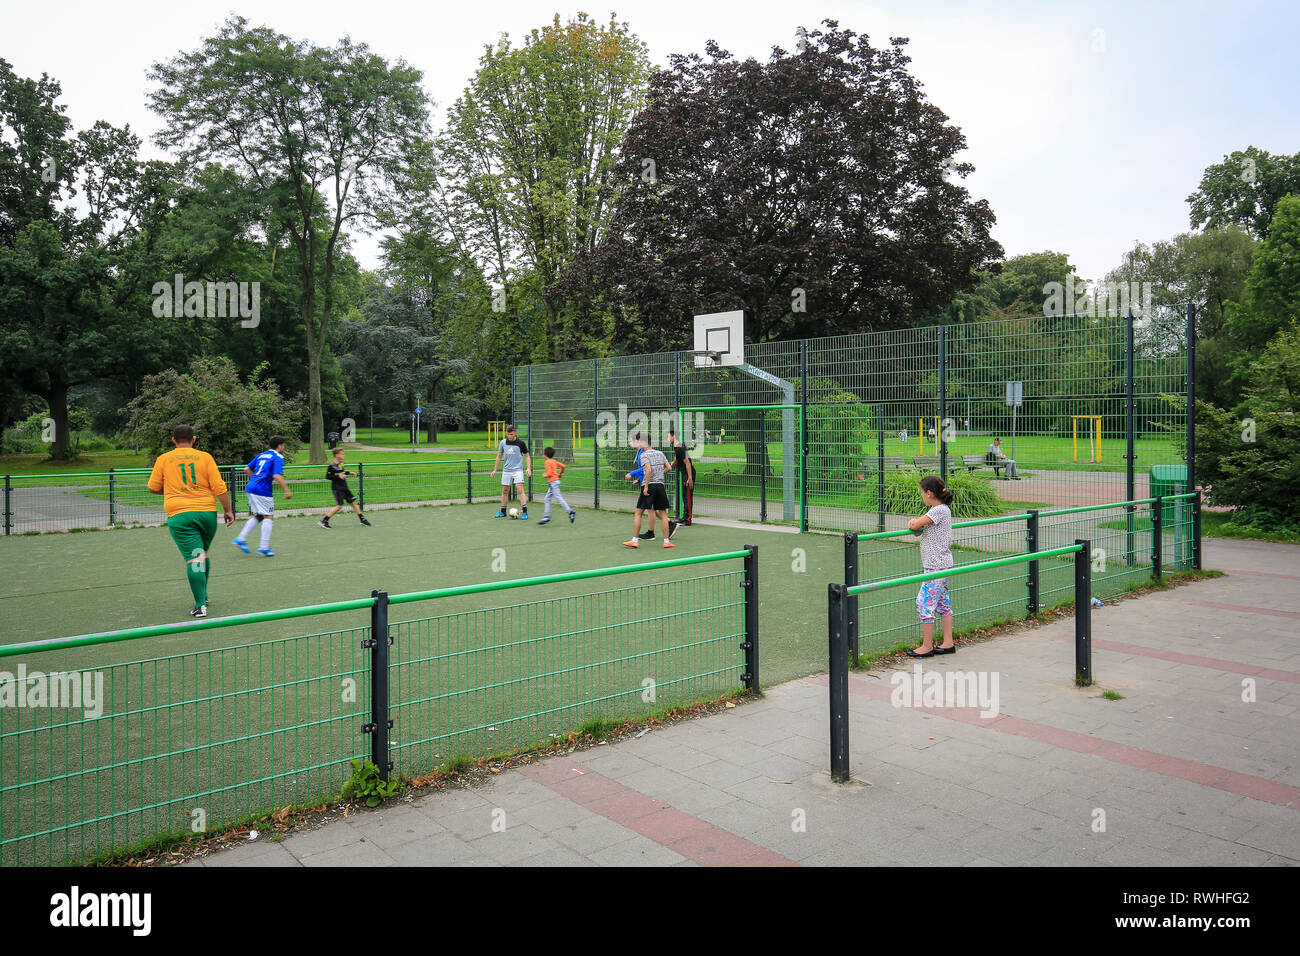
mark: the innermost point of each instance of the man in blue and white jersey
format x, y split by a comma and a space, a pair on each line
518, 464
267, 466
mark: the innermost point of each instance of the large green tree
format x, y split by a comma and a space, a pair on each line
1244, 190
411, 339
324, 131
1209, 270
1272, 296
77, 217
528, 157
819, 192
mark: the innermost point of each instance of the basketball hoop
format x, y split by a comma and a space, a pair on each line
715, 358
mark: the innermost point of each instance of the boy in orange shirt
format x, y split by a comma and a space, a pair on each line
188, 480
554, 469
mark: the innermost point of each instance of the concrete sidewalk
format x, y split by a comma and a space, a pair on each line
1181, 772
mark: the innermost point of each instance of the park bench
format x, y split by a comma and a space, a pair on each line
926, 462
889, 462
972, 462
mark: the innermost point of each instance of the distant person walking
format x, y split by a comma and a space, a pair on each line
188, 480
935, 529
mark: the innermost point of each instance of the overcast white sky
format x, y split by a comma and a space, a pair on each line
1088, 123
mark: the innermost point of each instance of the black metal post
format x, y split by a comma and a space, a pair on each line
943, 401
8, 512
839, 683
1157, 535
361, 485
1083, 614
380, 723
595, 433
1196, 531
1031, 547
880, 468
851, 601
762, 466
803, 435
1191, 431
750, 646
1130, 455
469, 481
112, 508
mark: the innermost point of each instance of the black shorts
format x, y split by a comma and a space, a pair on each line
342, 496
655, 500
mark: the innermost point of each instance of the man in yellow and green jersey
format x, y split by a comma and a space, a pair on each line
188, 480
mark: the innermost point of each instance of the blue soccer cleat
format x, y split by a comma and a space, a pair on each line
524, 516
266, 552
543, 521
241, 546
499, 514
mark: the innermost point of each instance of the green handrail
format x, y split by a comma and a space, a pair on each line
162, 630
1117, 504
868, 536
964, 569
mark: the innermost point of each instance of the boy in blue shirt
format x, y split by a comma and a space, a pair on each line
267, 466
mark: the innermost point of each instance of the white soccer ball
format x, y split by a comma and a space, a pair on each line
514, 512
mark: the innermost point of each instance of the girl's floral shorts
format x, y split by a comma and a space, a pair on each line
932, 600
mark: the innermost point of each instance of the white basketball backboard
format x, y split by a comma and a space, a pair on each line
719, 339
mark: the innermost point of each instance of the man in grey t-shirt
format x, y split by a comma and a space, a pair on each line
654, 495
518, 463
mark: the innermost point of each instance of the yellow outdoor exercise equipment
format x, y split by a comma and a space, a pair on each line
1094, 443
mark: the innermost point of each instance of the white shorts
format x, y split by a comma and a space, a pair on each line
512, 478
261, 504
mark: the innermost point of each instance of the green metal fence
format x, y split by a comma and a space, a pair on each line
1101, 401
200, 737
839, 628
120, 497
1128, 549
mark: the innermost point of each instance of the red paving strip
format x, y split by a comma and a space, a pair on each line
1260, 574
680, 832
1244, 784
1196, 660
1294, 615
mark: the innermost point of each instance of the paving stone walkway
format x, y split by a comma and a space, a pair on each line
1197, 765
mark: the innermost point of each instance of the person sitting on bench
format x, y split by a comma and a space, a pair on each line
995, 457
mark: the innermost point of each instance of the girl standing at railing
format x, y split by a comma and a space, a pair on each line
935, 529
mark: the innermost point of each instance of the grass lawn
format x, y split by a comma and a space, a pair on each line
1218, 524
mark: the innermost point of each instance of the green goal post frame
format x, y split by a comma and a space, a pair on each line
792, 487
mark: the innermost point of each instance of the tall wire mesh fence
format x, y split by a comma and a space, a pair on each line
121, 498
1041, 412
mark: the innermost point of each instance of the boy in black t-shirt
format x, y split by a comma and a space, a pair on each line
338, 477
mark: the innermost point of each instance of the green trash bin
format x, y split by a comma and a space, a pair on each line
1175, 516
1167, 480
